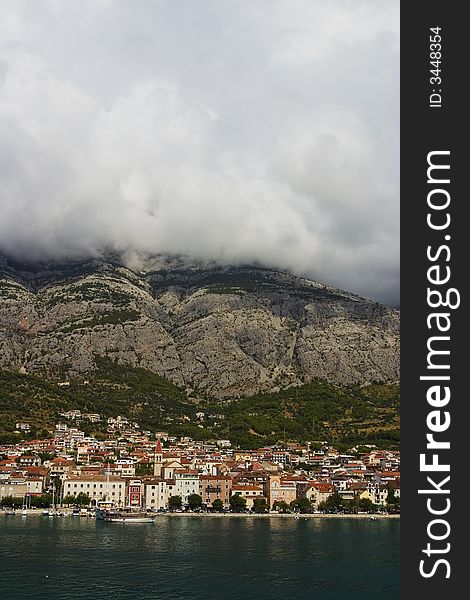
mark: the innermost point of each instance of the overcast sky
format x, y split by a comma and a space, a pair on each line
235, 130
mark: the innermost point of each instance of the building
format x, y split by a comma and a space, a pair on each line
97, 487
212, 487
135, 493
23, 427
92, 417
29, 461
155, 494
378, 492
281, 457
170, 467
60, 467
186, 484
158, 459
20, 487
318, 492
249, 492
280, 491
123, 468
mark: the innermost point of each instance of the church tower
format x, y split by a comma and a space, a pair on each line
158, 459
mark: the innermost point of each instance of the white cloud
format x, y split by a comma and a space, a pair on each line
253, 131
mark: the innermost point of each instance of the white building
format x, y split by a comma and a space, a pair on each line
186, 483
124, 467
19, 488
155, 494
98, 487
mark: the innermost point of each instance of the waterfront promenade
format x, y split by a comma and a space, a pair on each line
283, 515
217, 515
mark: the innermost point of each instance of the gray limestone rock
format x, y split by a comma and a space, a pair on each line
221, 330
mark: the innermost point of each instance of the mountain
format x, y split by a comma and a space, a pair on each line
214, 331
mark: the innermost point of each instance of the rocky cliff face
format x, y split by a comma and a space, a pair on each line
225, 331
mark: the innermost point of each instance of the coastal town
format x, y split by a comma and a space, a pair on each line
158, 472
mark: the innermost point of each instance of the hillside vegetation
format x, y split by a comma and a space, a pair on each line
315, 411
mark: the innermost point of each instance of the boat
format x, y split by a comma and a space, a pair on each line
103, 506
126, 515
24, 512
26, 505
52, 510
130, 518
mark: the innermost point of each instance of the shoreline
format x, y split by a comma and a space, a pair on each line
281, 516
204, 515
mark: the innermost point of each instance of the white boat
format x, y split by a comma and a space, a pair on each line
131, 519
127, 515
26, 505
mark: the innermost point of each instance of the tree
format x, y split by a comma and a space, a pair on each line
144, 469
175, 502
8, 438
392, 501
43, 501
194, 501
351, 505
334, 502
11, 501
237, 503
366, 505
82, 499
56, 483
391, 498
302, 505
217, 504
260, 505
281, 506
45, 456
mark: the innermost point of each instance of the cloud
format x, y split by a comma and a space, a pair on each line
263, 131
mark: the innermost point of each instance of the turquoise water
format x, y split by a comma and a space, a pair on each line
70, 558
